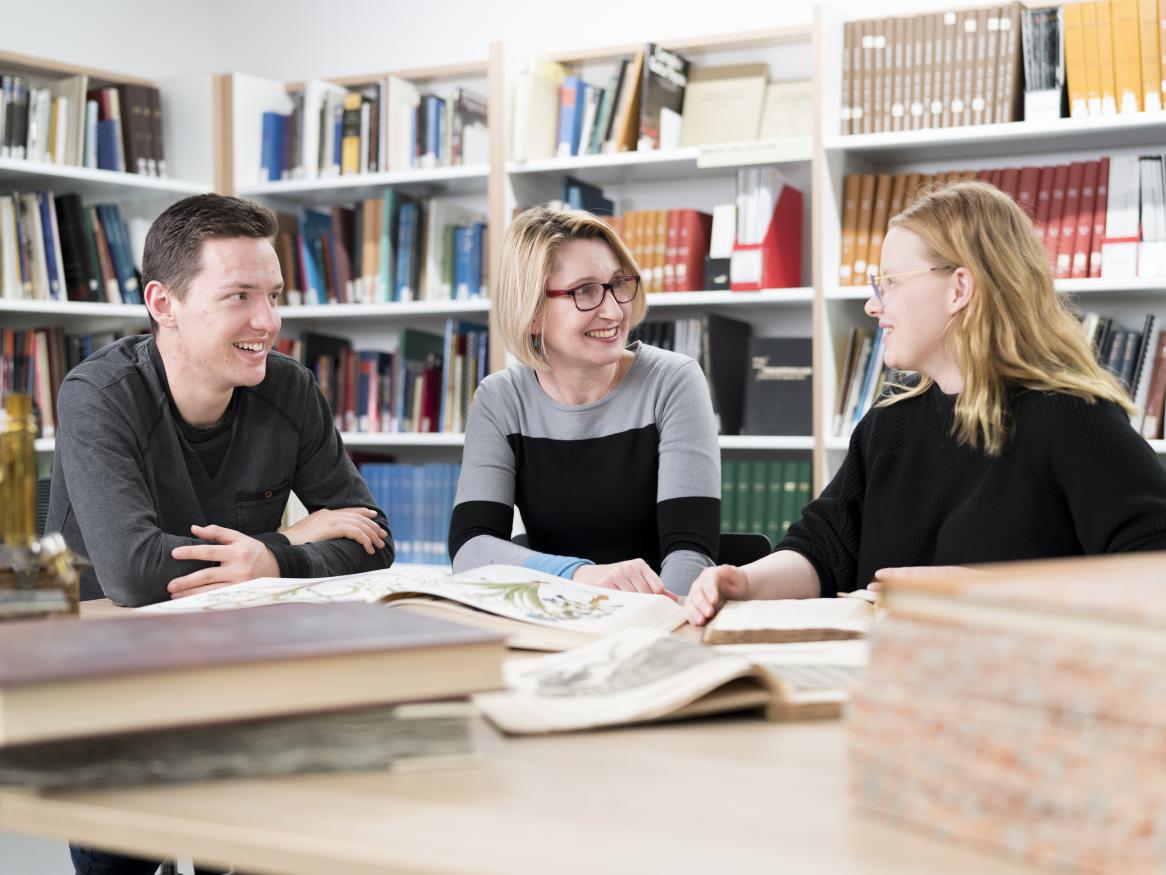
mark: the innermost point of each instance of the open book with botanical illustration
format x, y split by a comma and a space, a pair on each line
642, 675
534, 610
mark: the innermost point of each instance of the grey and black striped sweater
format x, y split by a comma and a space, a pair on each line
635, 474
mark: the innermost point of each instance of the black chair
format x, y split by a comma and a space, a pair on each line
736, 548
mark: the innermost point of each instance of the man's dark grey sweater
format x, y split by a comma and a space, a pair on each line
128, 484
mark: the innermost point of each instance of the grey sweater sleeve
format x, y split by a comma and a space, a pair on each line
101, 458
690, 470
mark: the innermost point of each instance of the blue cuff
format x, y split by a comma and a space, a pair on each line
560, 566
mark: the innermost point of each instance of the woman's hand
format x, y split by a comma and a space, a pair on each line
632, 575
357, 523
712, 589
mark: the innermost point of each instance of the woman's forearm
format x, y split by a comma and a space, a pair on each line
785, 574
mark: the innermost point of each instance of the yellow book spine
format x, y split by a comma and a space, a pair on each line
1075, 61
1090, 59
1127, 57
1105, 58
1150, 44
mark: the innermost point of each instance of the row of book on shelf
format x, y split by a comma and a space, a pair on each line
417, 501
54, 249
1137, 358
115, 127
424, 383
1100, 218
763, 495
656, 99
386, 125
969, 67
391, 248
753, 243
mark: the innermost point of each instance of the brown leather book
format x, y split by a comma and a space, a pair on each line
626, 131
878, 221
1156, 398
848, 75
1009, 88
862, 228
78, 678
850, 193
694, 228
898, 191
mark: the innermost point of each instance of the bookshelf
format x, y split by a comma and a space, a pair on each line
679, 178
189, 130
981, 147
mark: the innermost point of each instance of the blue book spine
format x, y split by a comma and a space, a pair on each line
461, 263
405, 237
433, 116
337, 138
46, 224
571, 94
477, 237
271, 147
108, 133
119, 252
387, 288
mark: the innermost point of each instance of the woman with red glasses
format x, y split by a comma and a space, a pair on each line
608, 451
1011, 443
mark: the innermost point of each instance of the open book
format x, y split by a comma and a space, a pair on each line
535, 611
640, 675
783, 620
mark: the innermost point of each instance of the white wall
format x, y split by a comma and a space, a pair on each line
154, 40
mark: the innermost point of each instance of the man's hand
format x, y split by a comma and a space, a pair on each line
631, 575
357, 523
712, 589
239, 557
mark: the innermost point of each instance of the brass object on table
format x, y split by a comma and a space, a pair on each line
38, 576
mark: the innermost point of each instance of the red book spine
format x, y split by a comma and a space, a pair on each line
1026, 190
1070, 220
1101, 203
1056, 212
1083, 241
1044, 196
1010, 181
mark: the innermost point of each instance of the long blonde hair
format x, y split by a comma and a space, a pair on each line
1016, 331
529, 258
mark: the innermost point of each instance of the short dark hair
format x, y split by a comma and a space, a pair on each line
173, 250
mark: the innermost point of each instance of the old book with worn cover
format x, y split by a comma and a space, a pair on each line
410, 736
639, 676
72, 678
779, 386
533, 610
784, 620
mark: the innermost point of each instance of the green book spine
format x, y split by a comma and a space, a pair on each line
805, 487
773, 494
728, 494
789, 494
741, 502
385, 292
758, 492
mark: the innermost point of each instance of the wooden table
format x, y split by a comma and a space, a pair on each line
732, 794
722, 795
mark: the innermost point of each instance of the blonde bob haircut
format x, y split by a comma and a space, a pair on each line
1016, 331
530, 257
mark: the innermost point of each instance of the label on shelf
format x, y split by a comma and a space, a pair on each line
755, 152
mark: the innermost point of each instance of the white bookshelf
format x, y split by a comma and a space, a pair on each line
74, 316
927, 151
359, 186
93, 185
407, 312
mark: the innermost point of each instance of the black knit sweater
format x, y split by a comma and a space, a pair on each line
1074, 478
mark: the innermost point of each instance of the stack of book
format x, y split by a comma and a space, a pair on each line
1018, 707
294, 688
424, 384
417, 501
112, 128
384, 125
929, 71
391, 248
54, 249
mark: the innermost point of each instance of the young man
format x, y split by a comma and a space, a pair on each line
176, 452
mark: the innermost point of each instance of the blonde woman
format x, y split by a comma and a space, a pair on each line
609, 451
1012, 444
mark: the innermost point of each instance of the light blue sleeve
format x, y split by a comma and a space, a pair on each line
560, 566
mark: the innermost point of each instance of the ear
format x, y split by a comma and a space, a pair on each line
160, 303
537, 324
961, 290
